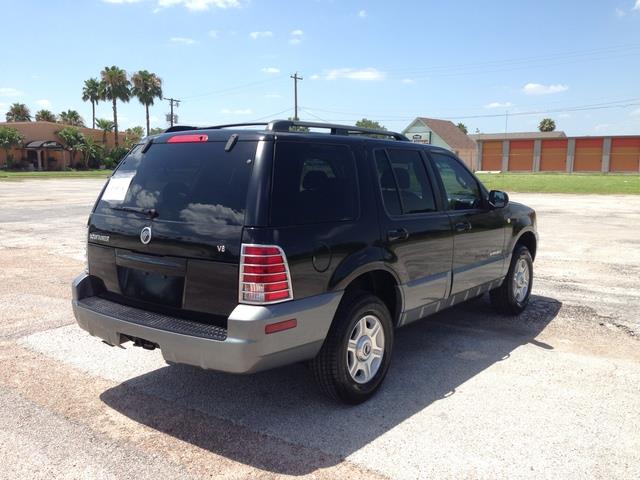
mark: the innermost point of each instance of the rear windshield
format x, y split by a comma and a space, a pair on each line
186, 182
313, 183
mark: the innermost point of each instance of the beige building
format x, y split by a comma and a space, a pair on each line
45, 150
445, 134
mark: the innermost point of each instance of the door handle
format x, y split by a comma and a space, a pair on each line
397, 234
463, 227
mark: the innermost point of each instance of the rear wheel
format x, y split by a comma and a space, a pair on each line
512, 297
356, 354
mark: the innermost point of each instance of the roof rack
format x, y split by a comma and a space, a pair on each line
286, 125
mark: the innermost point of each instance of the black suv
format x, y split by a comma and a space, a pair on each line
240, 249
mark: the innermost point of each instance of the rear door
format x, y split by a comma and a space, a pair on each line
479, 231
416, 233
166, 231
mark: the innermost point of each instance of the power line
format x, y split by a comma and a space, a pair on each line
232, 89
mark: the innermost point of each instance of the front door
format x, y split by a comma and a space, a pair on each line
479, 232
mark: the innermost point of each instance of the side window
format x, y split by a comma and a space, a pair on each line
313, 183
412, 183
387, 182
463, 192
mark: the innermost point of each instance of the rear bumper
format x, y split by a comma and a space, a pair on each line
242, 348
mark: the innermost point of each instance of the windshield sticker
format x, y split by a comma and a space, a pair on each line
117, 188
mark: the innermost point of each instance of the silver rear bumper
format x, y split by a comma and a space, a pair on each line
243, 347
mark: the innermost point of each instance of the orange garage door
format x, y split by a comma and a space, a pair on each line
553, 156
625, 154
588, 155
521, 155
492, 155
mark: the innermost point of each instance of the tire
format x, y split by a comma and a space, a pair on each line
352, 330
512, 297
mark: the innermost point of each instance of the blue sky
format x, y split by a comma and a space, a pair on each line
230, 60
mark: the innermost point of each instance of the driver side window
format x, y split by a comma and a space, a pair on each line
463, 192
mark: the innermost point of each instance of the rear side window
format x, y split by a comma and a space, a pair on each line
313, 183
404, 182
186, 182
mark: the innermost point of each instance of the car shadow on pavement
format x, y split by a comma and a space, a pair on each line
278, 421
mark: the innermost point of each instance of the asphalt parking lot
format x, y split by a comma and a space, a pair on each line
554, 393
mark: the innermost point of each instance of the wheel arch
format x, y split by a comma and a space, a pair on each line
529, 239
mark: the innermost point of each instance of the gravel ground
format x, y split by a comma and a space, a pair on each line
552, 393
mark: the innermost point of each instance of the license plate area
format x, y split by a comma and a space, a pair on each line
151, 286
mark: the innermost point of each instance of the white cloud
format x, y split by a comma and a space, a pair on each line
193, 5
257, 35
635, 113
199, 5
213, 33
44, 103
182, 40
367, 74
295, 41
271, 70
619, 12
242, 111
408, 81
10, 92
362, 14
297, 33
539, 89
499, 105
315, 76
637, 5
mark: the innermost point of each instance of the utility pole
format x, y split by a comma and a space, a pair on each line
172, 102
295, 78
506, 121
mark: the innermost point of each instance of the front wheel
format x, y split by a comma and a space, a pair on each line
512, 297
356, 354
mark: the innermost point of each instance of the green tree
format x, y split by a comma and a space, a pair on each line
45, 116
106, 126
93, 152
547, 125
73, 139
156, 131
462, 127
9, 138
116, 86
366, 123
92, 92
71, 117
18, 112
297, 129
147, 87
133, 136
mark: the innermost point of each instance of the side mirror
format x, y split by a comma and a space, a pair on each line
498, 199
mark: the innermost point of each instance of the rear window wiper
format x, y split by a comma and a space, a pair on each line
150, 212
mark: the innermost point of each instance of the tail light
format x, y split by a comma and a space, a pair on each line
264, 275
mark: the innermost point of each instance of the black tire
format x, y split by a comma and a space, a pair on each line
330, 367
503, 298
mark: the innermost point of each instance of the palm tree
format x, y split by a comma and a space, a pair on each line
45, 116
106, 126
73, 140
91, 92
115, 87
18, 112
71, 117
147, 87
547, 125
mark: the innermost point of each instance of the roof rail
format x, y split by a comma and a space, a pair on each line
285, 126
